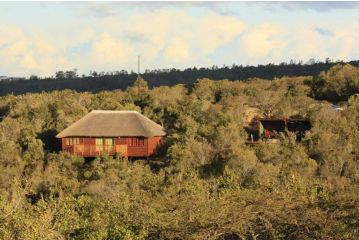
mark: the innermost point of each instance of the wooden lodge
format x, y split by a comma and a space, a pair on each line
128, 133
268, 128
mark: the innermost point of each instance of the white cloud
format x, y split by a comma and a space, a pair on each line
262, 39
172, 38
178, 50
216, 30
346, 39
168, 37
163, 38
182, 36
107, 50
275, 43
22, 54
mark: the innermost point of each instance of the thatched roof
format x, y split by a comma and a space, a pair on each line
101, 123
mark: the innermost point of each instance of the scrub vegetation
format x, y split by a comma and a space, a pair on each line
209, 185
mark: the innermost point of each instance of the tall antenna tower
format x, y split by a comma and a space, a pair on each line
139, 62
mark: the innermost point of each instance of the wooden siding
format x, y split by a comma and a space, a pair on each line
155, 145
127, 146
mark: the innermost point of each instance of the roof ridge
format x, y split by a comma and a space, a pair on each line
114, 111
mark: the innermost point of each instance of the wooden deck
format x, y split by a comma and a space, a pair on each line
94, 150
126, 146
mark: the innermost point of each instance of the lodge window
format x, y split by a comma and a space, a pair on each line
137, 142
72, 141
109, 141
104, 141
99, 141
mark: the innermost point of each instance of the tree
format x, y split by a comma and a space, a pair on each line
139, 93
33, 77
60, 75
336, 84
71, 74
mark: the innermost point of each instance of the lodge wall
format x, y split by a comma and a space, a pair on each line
127, 146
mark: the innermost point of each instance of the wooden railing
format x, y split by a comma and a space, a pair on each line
94, 150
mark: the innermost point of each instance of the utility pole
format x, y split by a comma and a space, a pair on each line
139, 61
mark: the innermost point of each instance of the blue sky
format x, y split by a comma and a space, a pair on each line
44, 37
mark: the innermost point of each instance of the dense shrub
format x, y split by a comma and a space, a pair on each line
337, 84
212, 185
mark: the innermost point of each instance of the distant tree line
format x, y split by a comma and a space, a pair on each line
100, 81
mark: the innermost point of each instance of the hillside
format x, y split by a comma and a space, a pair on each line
210, 185
96, 82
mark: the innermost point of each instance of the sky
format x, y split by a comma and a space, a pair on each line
41, 38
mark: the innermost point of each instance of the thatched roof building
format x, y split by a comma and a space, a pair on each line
113, 132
